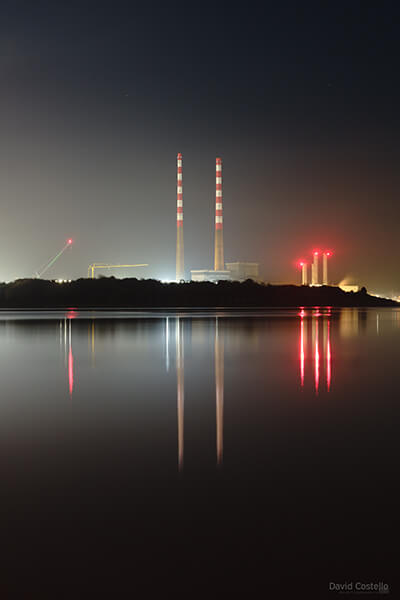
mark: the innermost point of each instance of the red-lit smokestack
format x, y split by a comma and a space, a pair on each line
219, 263
325, 267
314, 268
304, 272
180, 268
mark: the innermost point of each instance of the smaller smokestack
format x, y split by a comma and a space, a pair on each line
325, 267
304, 273
314, 269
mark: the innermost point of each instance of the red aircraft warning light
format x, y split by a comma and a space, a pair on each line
69, 241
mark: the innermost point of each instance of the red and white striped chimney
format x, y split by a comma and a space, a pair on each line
179, 220
219, 263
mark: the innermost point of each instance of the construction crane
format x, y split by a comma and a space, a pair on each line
91, 268
52, 260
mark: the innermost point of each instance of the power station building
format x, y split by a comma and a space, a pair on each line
235, 271
240, 271
208, 275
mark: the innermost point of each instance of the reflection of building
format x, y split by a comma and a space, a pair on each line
349, 322
240, 271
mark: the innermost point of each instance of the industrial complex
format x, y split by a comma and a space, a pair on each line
315, 279
222, 271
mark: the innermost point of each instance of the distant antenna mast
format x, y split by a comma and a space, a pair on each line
51, 262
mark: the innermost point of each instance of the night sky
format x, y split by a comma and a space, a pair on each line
300, 99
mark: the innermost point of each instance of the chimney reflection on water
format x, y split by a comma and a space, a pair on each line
326, 357
66, 334
219, 389
180, 388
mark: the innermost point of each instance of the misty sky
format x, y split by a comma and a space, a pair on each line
300, 99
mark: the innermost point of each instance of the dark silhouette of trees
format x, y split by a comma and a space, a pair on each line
108, 292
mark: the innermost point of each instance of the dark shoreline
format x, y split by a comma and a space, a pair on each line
187, 310
134, 294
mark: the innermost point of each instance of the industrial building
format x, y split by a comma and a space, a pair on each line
235, 271
315, 275
208, 275
240, 271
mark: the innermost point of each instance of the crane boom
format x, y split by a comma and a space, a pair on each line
52, 260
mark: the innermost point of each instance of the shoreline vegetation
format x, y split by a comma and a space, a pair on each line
109, 292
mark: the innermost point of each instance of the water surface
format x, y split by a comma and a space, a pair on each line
232, 449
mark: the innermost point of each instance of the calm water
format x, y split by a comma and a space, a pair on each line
254, 451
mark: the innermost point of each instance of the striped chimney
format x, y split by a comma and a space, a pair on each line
219, 263
179, 221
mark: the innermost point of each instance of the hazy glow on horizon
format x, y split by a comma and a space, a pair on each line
96, 105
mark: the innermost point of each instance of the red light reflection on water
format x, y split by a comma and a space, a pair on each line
70, 371
321, 352
317, 312
316, 359
302, 351
328, 359
71, 314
